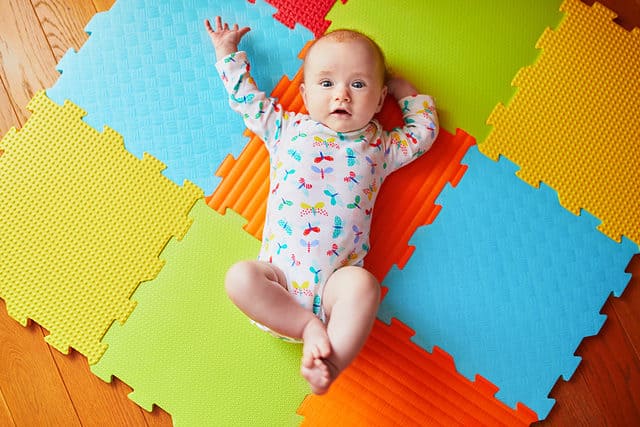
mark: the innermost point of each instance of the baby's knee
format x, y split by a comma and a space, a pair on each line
239, 279
360, 284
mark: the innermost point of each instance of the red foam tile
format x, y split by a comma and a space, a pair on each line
309, 13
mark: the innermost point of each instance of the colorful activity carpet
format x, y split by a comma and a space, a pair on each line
490, 283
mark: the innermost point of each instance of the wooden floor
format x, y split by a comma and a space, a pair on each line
39, 386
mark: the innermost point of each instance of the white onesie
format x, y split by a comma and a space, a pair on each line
323, 183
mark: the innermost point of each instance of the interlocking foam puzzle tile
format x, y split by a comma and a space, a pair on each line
82, 222
148, 71
196, 355
407, 201
310, 13
507, 281
393, 382
584, 141
463, 52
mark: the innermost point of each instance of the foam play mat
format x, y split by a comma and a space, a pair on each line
148, 71
464, 53
83, 223
491, 283
197, 355
517, 309
395, 382
590, 158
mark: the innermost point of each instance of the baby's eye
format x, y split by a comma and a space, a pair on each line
358, 84
326, 83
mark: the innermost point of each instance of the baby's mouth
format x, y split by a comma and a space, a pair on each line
340, 112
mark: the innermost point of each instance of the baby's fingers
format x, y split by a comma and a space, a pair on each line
207, 25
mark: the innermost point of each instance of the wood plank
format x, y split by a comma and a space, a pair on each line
6, 419
158, 418
605, 389
96, 402
102, 5
8, 117
63, 22
628, 11
627, 307
27, 63
29, 379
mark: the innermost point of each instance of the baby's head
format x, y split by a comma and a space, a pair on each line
344, 80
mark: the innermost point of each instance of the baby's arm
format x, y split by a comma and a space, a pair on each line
420, 129
261, 114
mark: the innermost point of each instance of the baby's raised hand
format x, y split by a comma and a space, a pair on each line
225, 40
400, 87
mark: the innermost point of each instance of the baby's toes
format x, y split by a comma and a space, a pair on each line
322, 369
324, 349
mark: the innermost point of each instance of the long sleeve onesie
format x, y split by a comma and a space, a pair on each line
323, 183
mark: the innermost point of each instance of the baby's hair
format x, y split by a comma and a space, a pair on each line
343, 35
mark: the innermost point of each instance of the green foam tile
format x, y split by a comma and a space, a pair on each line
189, 350
465, 53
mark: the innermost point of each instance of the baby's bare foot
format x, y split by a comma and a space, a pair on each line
318, 375
316, 342
316, 348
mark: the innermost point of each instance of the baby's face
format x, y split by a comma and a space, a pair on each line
343, 87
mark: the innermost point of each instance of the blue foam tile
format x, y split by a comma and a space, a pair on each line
147, 70
507, 281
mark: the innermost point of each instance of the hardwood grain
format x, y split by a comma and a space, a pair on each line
8, 117
604, 389
27, 63
628, 11
63, 23
627, 307
5, 415
97, 403
29, 379
102, 5
40, 386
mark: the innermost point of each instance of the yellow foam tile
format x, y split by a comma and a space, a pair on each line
574, 122
82, 223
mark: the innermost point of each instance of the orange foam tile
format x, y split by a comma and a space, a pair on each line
406, 200
395, 382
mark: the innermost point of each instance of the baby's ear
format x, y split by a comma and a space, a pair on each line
383, 96
303, 94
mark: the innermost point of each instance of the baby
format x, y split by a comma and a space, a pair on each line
326, 170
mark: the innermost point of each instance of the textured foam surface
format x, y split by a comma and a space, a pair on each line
574, 122
309, 13
394, 382
148, 71
196, 355
82, 222
507, 281
464, 53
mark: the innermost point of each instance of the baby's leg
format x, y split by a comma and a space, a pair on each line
259, 290
351, 299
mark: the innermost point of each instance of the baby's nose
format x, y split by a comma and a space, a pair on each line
342, 94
